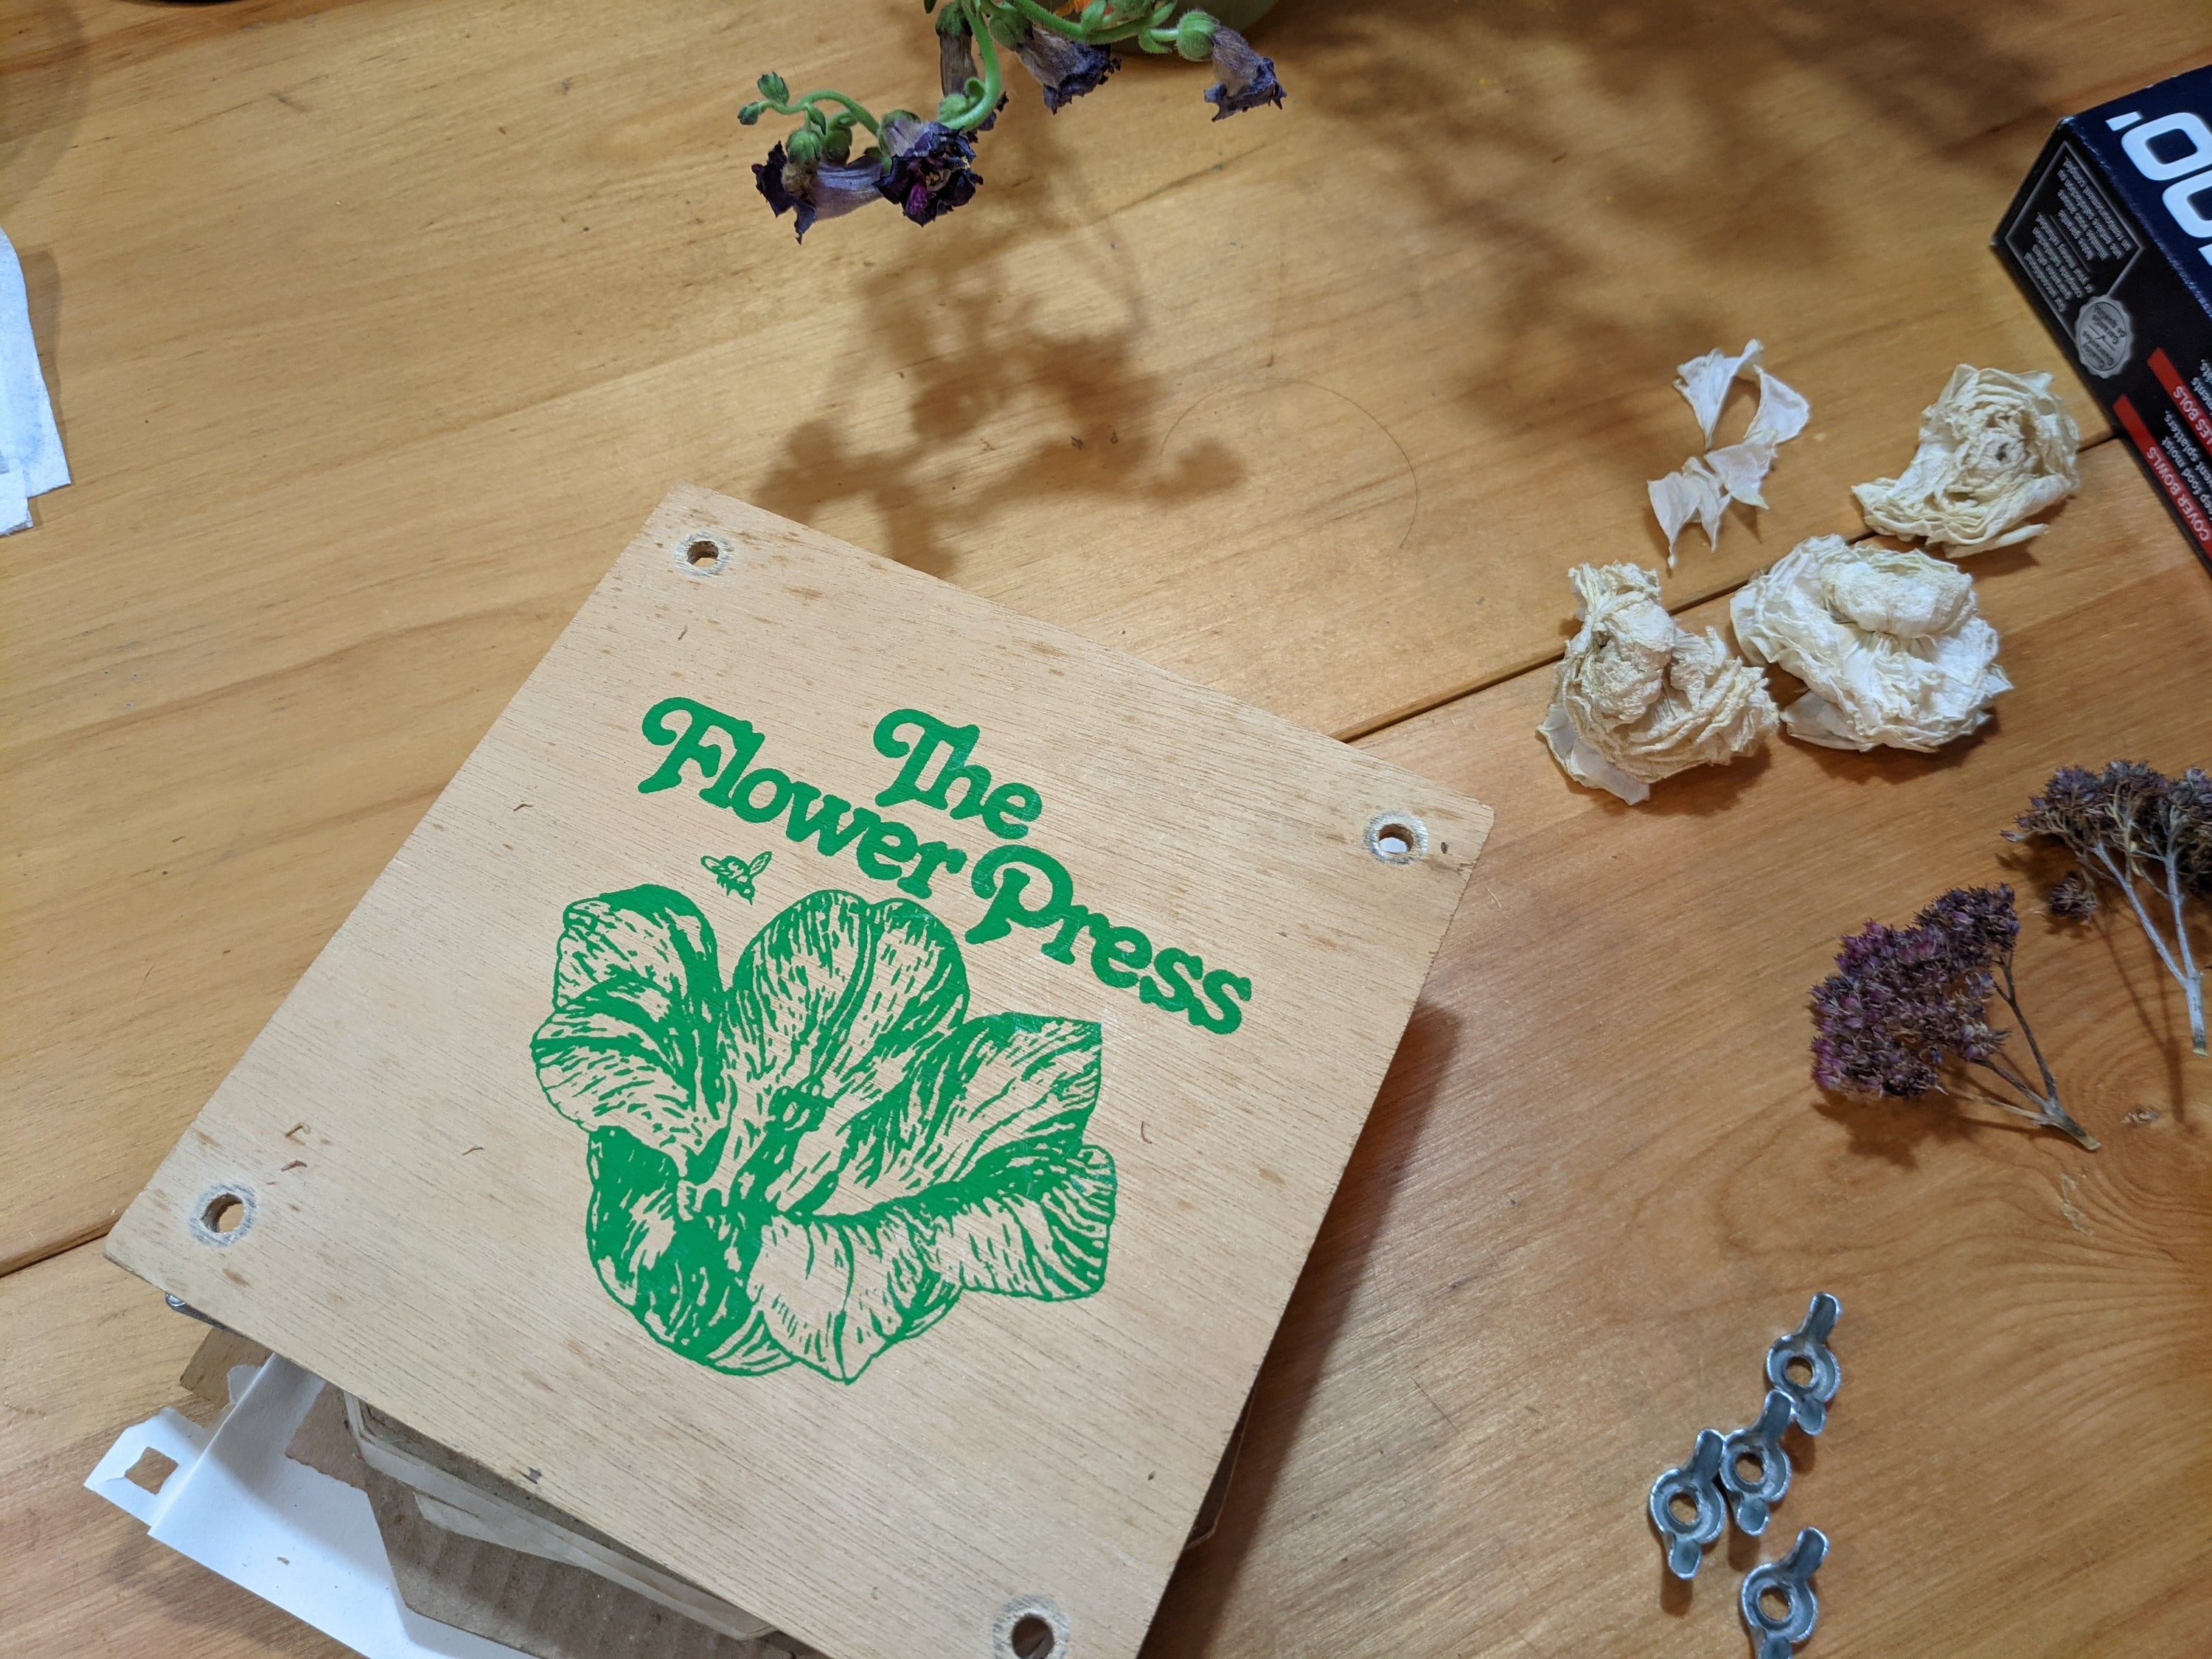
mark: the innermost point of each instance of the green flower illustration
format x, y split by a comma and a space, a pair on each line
812, 1161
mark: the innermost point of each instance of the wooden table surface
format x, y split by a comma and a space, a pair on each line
376, 328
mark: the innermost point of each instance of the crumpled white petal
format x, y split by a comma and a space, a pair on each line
1891, 645
1638, 698
1705, 381
1694, 492
1703, 488
1995, 449
1782, 411
1741, 468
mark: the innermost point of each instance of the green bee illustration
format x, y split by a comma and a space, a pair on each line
737, 876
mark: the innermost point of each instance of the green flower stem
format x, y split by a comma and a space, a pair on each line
1053, 20
805, 105
1112, 31
987, 51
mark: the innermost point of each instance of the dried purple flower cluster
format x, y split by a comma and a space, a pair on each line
2146, 835
921, 165
1904, 1003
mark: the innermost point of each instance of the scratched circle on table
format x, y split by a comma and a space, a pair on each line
1310, 466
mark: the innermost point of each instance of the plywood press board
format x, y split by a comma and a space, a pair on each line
834, 1094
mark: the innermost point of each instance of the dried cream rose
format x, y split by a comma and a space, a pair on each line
1891, 645
1995, 449
1638, 698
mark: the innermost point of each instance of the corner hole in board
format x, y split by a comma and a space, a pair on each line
703, 553
1031, 1628
1397, 837
223, 1215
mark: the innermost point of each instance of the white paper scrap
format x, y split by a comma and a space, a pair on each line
31, 461
292, 1536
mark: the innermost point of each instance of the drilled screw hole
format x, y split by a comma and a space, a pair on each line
1750, 1470
223, 1216
703, 554
1683, 1507
152, 1470
1397, 838
1031, 1628
1774, 1602
1799, 1369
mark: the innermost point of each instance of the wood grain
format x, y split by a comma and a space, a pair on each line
375, 328
411, 1175
1596, 1184
1599, 1184
85, 1351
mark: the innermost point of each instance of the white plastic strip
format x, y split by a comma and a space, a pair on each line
31, 461
239, 1507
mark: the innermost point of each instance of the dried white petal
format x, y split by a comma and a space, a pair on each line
1891, 646
1583, 764
1705, 381
1782, 411
1638, 698
1995, 449
1693, 492
1741, 468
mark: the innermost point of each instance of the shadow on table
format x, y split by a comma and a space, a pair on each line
1671, 115
1196, 1596
42, 61
976, 359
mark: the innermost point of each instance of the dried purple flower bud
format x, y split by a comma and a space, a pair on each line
812, 190
2149, 837
1064, 68
956, 67
2189, 805
927, 171
2074, 897
2067, 811
1248, 80
1980, 925
956, 59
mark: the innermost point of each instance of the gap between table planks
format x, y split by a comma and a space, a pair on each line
1316, 405
1599, 1181
1596, 1184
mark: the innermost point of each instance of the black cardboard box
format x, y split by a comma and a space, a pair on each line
2110, 239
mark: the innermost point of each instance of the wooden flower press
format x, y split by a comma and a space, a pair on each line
881, 1235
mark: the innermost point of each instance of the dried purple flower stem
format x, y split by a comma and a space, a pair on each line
1905, 1002
2047, 1110
2128, 821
